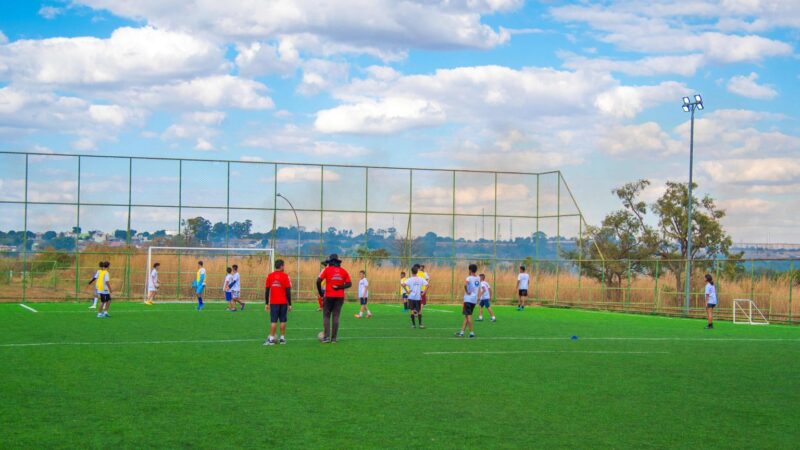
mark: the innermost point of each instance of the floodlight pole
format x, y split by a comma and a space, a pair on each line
690, 106
298, 240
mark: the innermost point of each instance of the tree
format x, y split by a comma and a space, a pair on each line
218, 231
376, 255
49, 235
197, 228
241, 229
120, 234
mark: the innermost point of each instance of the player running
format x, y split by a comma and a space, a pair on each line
226, 288
236, 288
415, 284
711, 300
104, 290
96, 294
199, 284
336, 281
485, 295
363, 295
152, 284
404, 291
522, 288
471, 286
278, 299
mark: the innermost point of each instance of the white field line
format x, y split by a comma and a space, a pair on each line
603, 352
28, 308
425, 308
354, 338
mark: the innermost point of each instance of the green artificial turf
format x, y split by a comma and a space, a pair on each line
170, 377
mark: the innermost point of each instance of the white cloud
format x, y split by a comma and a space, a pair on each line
50, 12
775, 189
747, 86
761, 171
130, 56
259, 58
292, 138
199, 127
747, 205
3, 38
685, 65
203, 145
303, 173
222, 91
629, 101
320, 75
389, 115
642, 140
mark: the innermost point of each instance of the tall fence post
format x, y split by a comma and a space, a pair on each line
25, 233
791, 284
558, 233
128, 236
77, 235
655, 289
180, 220
494, 240
453, 236
628, 296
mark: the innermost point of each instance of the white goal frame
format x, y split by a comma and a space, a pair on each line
745, 307
220, 250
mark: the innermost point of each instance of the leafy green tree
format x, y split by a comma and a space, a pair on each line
197, 228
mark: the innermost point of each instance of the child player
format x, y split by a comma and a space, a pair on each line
485, 295
278, 298
471, 286
404, 291
236, 288
199, 284
226, 288
711, 300
96, 274
522, 288
414, 285
152, 284
104, 290
363, 295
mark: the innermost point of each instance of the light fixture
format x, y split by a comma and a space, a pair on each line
697, 98
699, 105
685, 108
685, 100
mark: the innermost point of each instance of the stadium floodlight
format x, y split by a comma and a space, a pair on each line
298, 239
690, 106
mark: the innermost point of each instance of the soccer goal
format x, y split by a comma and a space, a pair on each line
178, 268
745, 311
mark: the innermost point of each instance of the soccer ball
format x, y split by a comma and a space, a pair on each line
321, 336
357, 316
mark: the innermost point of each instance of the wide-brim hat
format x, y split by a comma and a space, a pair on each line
333, 258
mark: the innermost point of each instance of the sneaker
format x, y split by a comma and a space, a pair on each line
199, 307
480, 318
93, 307
709, 327
242, 308
270, 341
105, 314
100, 315
421, 326
333, 341
494, 319
413, 326
472, 335
369, 316
459, 334
282, 340
326, 341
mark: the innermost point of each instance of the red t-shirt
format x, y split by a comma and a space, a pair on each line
334, 276
277, 283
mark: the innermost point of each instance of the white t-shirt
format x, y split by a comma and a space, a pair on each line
363, 284
414, 285
236, 283
226, 285
523, 280
486, 294
472, 285
711, 292
152, 282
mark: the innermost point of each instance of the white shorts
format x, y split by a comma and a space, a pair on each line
235, 294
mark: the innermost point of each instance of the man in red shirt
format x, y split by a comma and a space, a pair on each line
278, 298
336, 281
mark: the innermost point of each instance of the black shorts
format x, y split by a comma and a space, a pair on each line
105, 298
363, 300
523, 292
415, 305
278, 313
468, 308
711, 305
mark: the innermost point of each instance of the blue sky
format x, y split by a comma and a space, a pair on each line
589, 88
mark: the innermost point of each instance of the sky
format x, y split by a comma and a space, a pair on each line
589, 88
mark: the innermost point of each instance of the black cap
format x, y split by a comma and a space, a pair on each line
333, 258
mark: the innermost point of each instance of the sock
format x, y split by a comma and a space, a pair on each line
200, 301
405, 305
413, 320
420, 319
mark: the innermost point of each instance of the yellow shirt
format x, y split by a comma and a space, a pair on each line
101, 280
403, 289
425, 277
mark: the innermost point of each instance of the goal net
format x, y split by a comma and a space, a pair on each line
178, 268
745, 311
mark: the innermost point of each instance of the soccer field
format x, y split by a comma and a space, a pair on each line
171, 377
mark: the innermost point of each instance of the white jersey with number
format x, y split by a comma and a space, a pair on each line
486, 294
522, 279
226, 285
472, 285
415, 285
363, 288
711, 292
152, 280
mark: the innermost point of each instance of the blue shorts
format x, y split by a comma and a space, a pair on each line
711, 305
228, 296
405, 296
199, 290
484, 303
363, 300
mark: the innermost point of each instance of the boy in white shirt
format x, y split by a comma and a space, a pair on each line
415, 284
152, 284
94, 278
485, 295
236, 288
471, 287
363, 295
522, 288
711, 300
226, 288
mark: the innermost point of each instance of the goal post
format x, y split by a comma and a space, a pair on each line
746, 312
178, 266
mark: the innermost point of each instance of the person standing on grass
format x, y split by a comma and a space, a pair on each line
522, 288
96, 275
278, 299
424, 275
226, 288
471, 286
485, 295
104, 289
199, 284
711, 300
320, 298
363, 295
152, 284
336, 281
236, 288
415, 284
404, 291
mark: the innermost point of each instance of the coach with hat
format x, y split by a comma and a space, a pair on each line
336, 281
